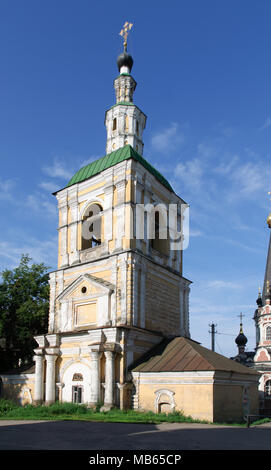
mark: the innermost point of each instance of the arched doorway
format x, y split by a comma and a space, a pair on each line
76, 382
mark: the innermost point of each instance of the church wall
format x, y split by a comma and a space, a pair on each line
162, 302
235, 397
197, 394
189, 393
19, 388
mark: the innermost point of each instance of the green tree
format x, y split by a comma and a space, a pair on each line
24, 307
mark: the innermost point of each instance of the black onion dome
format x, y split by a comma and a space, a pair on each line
259, 301
125, 59
241, 339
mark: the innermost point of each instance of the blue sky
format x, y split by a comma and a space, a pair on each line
203, 71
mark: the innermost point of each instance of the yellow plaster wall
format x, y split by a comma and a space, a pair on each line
194, 400
14, 391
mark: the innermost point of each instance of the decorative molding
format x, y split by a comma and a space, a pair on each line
169, 394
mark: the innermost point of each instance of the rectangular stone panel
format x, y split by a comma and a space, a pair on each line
86, 314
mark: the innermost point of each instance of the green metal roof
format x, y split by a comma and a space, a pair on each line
118, 156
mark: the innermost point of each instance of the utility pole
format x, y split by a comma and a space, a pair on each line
213, 332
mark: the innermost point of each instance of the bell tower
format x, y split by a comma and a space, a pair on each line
114, 295
124, 121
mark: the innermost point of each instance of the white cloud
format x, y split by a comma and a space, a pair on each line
266, 124
168, 139
195, 233
250, 178
58, 170
88, 160
191, 172
40, 204
39, 250
206, 151
221, 284
6, 188
227, 166
49, 186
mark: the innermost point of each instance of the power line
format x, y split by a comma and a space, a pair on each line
219, 348
228, 334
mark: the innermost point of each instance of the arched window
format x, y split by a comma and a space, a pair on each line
114, 126
267, 388
91, 227
268, 333
77, 377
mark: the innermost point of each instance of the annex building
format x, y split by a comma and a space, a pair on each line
118, 332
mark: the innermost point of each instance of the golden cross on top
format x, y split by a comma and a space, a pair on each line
124, 33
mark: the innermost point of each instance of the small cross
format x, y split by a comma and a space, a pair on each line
241, 316
124, 33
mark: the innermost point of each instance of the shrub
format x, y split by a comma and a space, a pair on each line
67, 409
6, 406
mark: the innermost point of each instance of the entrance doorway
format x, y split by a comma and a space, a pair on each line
77, 394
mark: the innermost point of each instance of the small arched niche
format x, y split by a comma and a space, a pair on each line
164, 401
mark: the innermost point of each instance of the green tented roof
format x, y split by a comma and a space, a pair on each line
118, 156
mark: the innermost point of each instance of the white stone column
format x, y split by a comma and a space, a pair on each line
39, 369
109, 379
95, 383
50, 388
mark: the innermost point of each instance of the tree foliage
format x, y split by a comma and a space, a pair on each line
24, 307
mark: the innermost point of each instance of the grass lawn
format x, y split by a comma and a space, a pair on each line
72, 411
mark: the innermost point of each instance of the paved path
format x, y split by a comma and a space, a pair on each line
78, 435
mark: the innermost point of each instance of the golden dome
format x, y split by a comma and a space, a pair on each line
269, 220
